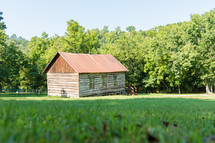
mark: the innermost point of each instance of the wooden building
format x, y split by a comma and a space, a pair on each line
77, 75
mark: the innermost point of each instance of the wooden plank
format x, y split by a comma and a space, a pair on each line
61, 66
62, 82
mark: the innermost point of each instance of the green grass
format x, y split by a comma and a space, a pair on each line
13, 94
142, 118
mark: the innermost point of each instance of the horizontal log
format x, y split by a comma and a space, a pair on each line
61, 89
63, 79
63, 93
57, 92
57, 77
62, 74
63, 83
68, 95
98, 91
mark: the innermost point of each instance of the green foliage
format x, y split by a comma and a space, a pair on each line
31, 74
176, 57
128, 49
130, 28
2, 24
20, 42
11, 62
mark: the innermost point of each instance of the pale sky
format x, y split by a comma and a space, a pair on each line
28, 18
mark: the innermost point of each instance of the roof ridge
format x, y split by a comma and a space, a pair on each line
82, 53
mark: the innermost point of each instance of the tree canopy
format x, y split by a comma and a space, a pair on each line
178, 57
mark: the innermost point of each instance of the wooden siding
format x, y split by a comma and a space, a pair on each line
61, 66
63, 84
84, 81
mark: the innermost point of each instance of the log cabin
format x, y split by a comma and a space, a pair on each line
78, 75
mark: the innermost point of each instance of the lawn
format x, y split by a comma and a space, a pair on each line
142, 118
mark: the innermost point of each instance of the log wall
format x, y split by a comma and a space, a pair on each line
63, 84
84, 84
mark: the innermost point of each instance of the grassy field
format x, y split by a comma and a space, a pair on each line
142, 118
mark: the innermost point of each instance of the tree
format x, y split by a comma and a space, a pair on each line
3, 36
11, 63
2, 24
75, 38
130, 28
31, 73
127, 48
92, 41
202, 35
20, 42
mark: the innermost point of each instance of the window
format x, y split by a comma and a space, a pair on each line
104, 81
115, 80
91, 82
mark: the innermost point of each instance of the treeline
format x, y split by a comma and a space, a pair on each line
177, 57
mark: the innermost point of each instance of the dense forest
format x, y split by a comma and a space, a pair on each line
177, 57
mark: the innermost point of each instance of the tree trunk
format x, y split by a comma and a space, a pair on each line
179, 90
208, 89
211, 88
0, 88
